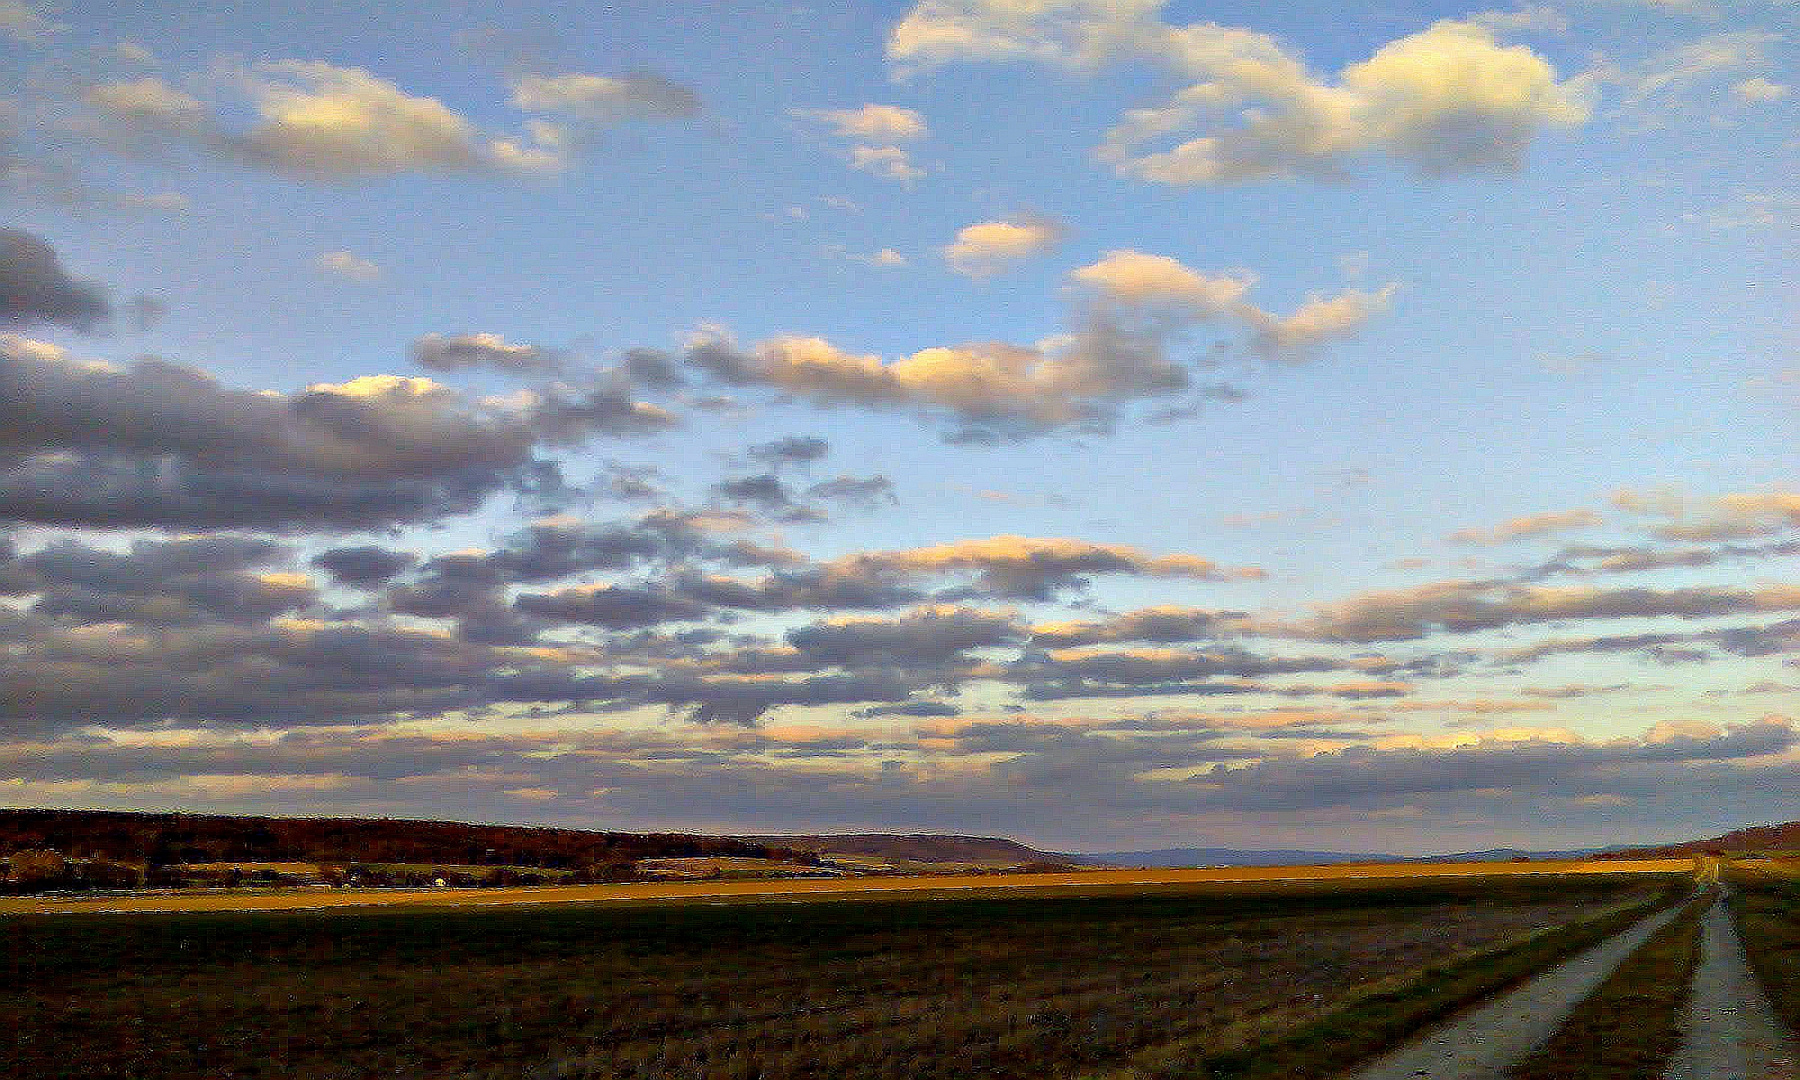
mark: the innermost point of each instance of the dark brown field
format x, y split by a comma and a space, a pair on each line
1124, 982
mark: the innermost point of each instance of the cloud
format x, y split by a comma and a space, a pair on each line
1163, 624
1735, 516
875, 132
1162, 295
1447, 100
1759, 91
1026, 568
1460, 607
1135, 308
1079, 673
1621, 560
768, 493
883, 124
1318, 321
1537, 17
884, 259
606, 100
1529, 526
34, 287
864, 492
160, 444
1062, 785
364, 566
1072, 32
350, 267
316, 121
1157, 281
439, 352
887, 162
986, 248
148, 105
1367, 777
323, 122
1673, 72
614, 607
925, 637
26, 23
790, 450
167, 583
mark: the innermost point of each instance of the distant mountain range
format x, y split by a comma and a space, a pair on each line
185, 838
1167, 857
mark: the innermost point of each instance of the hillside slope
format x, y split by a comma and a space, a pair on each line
919, 848
1755, 838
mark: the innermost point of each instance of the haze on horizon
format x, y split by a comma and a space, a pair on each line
1110, 424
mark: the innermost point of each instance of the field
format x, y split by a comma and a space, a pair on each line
1084, 980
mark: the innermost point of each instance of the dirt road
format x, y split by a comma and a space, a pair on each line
1732, 1032
1483, 1043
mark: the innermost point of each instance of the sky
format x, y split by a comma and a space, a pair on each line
1110, 424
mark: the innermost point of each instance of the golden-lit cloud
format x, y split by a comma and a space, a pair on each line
319, 120
986, 248
871, 124
875, 134
1448, 99
349, 266
1530, 526
1133, 277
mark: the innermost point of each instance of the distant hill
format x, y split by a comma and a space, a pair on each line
1505, 854
1166, 857
1756, 838
920, 848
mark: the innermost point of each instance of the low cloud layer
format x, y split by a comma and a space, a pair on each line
157, 443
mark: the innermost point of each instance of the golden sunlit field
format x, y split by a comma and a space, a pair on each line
1134, 974
816, 888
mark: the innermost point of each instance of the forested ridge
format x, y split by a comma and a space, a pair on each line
161, 839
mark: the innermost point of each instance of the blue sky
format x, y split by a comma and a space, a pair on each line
1106, 423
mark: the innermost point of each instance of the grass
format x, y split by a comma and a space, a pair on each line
1025, 986
1631, 1025
1765, 904
1368, 1023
